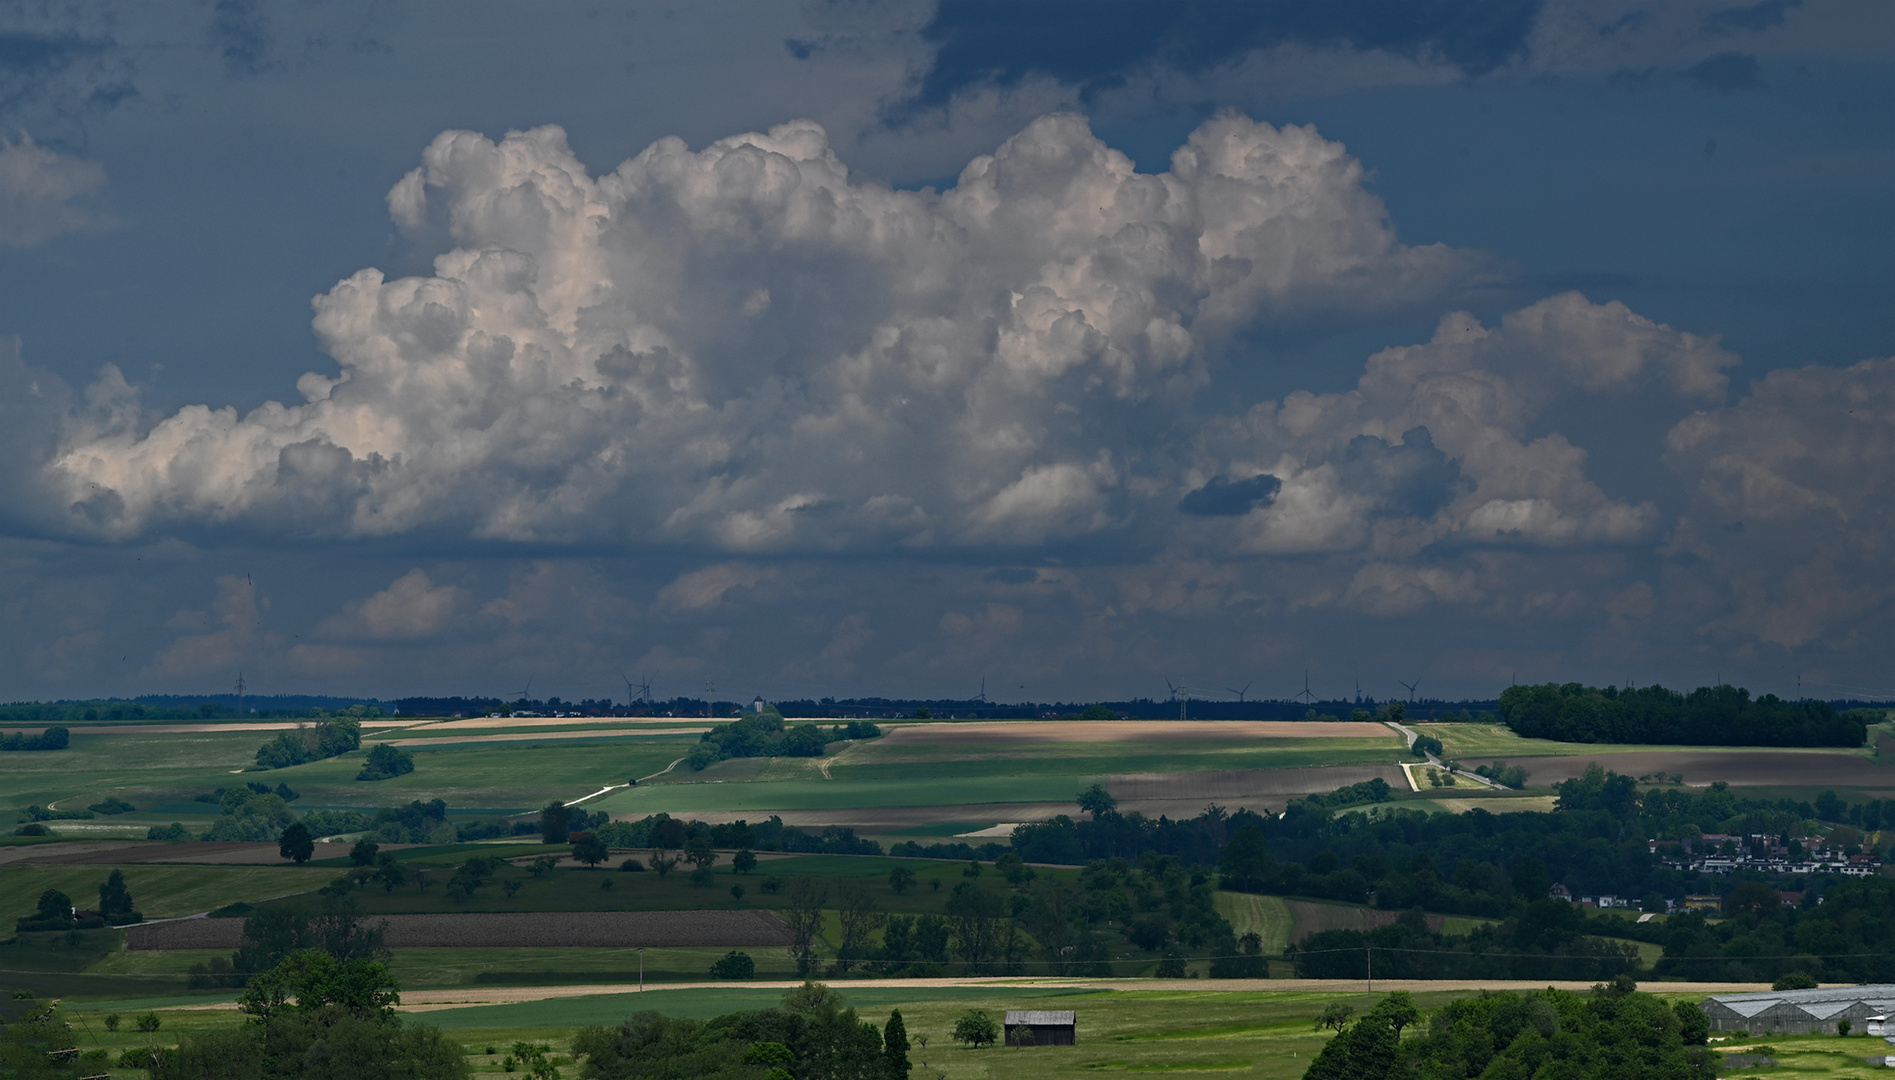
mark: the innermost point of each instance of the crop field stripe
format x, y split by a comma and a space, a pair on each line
1266, 916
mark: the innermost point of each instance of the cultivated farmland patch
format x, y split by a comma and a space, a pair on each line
1780, 768
476, 930
1246, 783
1308, 917
1106, 731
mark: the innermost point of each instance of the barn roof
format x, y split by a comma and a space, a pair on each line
1040, 1017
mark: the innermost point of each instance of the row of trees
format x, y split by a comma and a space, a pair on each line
1708, 716
1614, 1033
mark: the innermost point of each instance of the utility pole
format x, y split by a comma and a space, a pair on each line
641, 970
1370, 950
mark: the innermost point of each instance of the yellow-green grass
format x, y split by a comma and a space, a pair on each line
128, 763
161, 773
161, 892
487, 776
758, 799
1268, 917
1493, 804
1253, 1034
1472, 741
873, 761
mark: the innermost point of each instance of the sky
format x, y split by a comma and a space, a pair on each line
1076, 350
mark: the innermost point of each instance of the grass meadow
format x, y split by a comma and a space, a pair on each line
1263, 1034
161, 892
160, 774
1470, 741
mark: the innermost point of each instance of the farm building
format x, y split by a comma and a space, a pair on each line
1799, 1012
1041, 1027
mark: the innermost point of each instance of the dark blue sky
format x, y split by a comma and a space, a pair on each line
176, 189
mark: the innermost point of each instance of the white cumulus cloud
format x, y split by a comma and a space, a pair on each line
749, 348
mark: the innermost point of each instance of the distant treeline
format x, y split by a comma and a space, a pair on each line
116, 711
1708, 716
669, 833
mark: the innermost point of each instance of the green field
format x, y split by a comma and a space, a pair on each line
1483, 741
1269, 1035
161, 892
761, 798
1266, 916
903, 762
161, 773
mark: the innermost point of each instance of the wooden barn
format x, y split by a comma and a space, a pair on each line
1041, 1027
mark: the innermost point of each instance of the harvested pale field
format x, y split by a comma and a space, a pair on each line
1109, 731
1789, 768
475, 930
221, 853
1308, 917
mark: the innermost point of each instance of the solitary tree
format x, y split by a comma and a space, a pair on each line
114, 897
744, 861
976, 1029
588, 848
895, 1047
363, 853
296, 844
554, 822
901, 879
1336, 1016
1097, 801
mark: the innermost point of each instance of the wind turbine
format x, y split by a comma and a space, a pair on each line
529, 688
1411, 688
1308, 697
1240, 693
635, 692
982, 696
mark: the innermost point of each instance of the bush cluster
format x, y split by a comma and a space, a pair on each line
311, 742
53, 738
